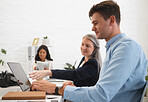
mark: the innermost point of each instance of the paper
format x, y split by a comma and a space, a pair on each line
41, 65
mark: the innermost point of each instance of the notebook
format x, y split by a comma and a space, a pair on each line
27, 95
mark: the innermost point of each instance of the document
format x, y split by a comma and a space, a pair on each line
41, 65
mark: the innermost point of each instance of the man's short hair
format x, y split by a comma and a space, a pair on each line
106, 9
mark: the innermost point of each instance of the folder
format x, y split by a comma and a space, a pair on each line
27, 95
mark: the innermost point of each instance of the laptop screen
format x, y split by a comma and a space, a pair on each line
20, 75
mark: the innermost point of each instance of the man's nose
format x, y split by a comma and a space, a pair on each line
93, 28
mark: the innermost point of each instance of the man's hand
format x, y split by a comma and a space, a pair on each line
43, 85
68, 83
61, 90
40, 74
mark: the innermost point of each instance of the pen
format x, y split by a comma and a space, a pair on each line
51, 97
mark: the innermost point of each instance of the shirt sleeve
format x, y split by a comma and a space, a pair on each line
51, 64
89, 69
119, 68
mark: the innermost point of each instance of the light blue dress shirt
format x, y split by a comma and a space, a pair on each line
122, 75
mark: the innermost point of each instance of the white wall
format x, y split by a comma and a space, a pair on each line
65, 22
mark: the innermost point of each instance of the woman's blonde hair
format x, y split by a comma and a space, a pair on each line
96, 53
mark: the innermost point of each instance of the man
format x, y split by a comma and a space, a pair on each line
123, 72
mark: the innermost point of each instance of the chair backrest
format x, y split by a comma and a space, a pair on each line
144, 90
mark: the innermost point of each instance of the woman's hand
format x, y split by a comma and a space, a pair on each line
44, 68
40, 74
34, 68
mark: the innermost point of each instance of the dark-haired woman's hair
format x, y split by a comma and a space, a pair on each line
37, 58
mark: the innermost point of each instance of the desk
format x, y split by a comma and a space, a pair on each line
145, 99
3, 91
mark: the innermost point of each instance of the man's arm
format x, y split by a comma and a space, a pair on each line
44, 85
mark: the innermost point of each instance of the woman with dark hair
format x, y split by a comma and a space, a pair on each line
43, 55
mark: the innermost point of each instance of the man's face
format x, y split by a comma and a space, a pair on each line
100, 26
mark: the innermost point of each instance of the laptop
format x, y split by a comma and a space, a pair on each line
20, 75
22, 78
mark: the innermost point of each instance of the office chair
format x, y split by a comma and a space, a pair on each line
144, 90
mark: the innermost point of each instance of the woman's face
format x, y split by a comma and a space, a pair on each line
87, 47
42, 54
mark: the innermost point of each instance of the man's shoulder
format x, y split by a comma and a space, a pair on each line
127, 42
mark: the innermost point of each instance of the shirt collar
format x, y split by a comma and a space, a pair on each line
113, 39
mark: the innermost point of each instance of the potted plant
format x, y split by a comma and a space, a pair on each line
3, 51
45, 40
70, 66
46, 37
146, 78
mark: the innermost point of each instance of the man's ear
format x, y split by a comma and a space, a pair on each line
112, 20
